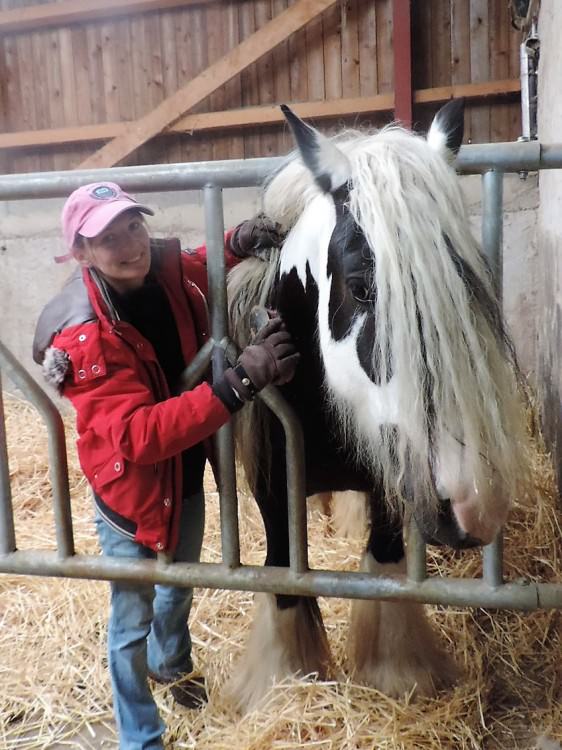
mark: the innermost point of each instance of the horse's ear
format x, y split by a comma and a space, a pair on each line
330, 166
447, 128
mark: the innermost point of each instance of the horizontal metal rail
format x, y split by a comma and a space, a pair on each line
524, 156
447, 591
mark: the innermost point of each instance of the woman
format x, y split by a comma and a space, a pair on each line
115, 342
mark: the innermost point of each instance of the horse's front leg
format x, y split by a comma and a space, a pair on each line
287, 636
392, 645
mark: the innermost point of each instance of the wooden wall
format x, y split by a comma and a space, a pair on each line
118, 70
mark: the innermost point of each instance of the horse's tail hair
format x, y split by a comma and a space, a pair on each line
251, 283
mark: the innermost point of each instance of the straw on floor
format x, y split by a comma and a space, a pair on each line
54, 686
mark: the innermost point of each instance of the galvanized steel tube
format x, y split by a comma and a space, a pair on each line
415, 553
492, 562
472, 159
296, 484
224, 441
58, 467
492, 247
444, 591
7, 531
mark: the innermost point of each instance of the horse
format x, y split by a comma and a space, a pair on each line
407, 389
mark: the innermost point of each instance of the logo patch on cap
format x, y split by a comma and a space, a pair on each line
103, 192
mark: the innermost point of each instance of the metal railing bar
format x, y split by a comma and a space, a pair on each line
492, 562
347, 584
224, 439
492, 247
416, 562
526, 156
58, 466
7, 530
296, 485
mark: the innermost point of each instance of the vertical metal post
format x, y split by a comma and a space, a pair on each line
492, 225
492, 241
224, 442
296, 482
58, 464
415, 553
7, 531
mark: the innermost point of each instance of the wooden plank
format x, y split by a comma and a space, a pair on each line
42, 113
208, 81
26, 76
499, 66
200, 62
441, 39
350, 49
233, 89
82, 75
184, 42
168, 22
331, 28
95, 70
460, 49
67, 12
253, 116
422, 45
217, 47
479, 66
298, 67
385, 73
468, 90
267, 141
55, 87
315, 60
368, 85
402, 62
281, 62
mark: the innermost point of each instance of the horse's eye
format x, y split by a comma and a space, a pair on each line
360, 292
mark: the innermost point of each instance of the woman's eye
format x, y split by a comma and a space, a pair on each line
135, 226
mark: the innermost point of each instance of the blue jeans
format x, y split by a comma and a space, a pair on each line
148, 630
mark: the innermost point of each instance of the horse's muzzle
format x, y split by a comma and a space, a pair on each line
441, 528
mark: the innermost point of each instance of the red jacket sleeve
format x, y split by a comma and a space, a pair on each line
230, 258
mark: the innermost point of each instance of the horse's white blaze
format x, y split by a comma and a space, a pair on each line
311, 233
392, 646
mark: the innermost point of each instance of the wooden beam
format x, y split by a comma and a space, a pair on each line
252, 116
469, 90
402, 52
36, 17
172, 108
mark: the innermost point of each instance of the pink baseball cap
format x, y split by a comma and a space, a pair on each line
90, 208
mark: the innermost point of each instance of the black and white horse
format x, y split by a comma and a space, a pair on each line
407, 389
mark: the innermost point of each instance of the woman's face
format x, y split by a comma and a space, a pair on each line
121, 253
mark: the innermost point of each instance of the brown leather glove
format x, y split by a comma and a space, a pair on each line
256, 235
271, 359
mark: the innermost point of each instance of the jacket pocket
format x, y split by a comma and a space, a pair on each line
108, 472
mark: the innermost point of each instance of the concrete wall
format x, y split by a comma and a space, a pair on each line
30, 237
549, 235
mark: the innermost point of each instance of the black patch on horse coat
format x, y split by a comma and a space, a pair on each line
351, 265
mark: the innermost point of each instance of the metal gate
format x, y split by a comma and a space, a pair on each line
489, 160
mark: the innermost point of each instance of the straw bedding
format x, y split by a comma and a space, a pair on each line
54, 686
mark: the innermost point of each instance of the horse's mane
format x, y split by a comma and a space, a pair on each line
407, 200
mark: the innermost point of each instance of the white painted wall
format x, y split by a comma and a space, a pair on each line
549, 236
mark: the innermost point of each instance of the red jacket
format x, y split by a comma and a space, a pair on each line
129, 428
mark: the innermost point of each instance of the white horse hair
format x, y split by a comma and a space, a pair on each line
407, 201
